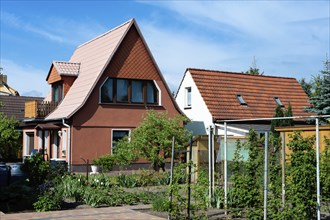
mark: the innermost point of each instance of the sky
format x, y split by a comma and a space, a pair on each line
285, 38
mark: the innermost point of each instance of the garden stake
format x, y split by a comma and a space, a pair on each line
189, 176
171, 178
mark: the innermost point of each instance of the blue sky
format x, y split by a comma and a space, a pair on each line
287, 38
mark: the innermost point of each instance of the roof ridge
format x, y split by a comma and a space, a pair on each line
238, 73
101, 35
56, 61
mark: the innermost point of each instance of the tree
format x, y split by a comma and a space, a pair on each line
307, 87
324, 174
254, 70
301, 178
9, 136
280, 112
247, 178
152, 140
321, 100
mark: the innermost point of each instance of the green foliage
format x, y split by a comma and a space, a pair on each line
17, 197
274, 203
37, 170
106, 162
307, 87
280, 112
321, 100
9, 137
324, 175
246, 193
161, 204
95, 196
152, 140
72, 186
254, 70
49, 201
301, 177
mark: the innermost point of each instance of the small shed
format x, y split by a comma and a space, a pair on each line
306, 131
200, 155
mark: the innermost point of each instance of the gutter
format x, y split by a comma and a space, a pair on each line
69, 144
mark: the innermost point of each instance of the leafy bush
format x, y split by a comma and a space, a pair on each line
106, 162
17, 197
72, 187
37, 170
161, 204
95, 196
51, 200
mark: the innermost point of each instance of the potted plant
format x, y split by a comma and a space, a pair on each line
95, 166
105, 162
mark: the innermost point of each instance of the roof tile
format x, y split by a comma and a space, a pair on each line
219, 90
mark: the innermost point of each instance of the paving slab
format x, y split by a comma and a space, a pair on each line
113, 213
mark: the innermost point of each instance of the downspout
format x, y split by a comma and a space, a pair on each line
69, 144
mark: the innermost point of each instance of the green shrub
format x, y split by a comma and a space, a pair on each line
106, 162
128, 181
38, 171
161, 204
95, 196
72, 187
50, 200
17, 197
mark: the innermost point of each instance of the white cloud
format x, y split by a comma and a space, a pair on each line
287, 39
25, 79
55, 29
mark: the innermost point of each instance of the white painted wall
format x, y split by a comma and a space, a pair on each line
199, 114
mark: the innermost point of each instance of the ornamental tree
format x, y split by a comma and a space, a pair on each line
152, 140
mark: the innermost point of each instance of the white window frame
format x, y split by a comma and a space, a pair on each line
119, 129
26, 143
188, 97
64, 138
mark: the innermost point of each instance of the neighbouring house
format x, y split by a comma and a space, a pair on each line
5, 89
14, 106
208, 97
97, 97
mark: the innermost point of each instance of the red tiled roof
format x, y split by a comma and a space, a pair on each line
220, 89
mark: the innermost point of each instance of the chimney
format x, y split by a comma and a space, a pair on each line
3, 79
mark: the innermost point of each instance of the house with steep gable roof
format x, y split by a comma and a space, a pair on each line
208, 97
97, 97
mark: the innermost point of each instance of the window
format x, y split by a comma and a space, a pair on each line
137, 91
107, 91
128, 91
116, 136
57, 92
188, 97
241, 100
278, 101
122, 90
29, 142
152, 93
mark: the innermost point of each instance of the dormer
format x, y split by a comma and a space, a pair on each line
61, 77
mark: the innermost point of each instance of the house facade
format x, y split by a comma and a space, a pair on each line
209, 97
99, 96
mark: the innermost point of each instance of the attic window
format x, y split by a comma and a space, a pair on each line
129, 91
241, 100
278, 101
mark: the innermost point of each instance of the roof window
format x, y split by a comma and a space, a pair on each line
278, 101
241, 100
